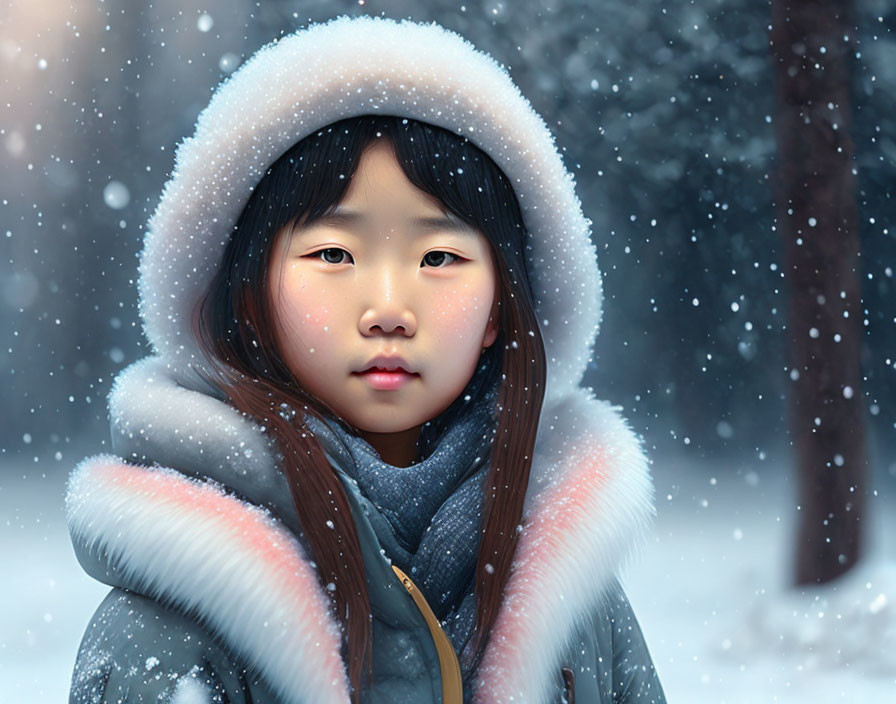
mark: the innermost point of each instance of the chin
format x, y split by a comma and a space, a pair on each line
383, 424
386, 428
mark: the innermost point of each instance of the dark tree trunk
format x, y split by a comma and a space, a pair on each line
818, 217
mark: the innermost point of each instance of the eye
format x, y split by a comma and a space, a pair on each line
437, 259
433, 258
331, 255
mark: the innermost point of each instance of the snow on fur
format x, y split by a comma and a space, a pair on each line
156, 418
189, 690
349, 67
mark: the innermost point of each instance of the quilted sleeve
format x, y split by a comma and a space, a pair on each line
135, 650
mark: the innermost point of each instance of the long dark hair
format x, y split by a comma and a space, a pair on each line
234, 322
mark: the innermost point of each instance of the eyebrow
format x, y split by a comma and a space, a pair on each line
349, 218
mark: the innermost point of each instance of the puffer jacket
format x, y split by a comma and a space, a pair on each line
214, 597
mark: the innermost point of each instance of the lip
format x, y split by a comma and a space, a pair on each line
387, 363
386, 380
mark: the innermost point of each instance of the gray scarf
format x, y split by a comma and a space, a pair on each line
429, 515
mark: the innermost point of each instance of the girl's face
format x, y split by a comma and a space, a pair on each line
390, 273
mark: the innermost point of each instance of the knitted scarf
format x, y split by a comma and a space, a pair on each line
428, 516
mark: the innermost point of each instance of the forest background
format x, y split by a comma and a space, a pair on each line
671, 117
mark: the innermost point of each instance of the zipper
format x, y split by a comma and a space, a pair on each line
452, 684
569, 685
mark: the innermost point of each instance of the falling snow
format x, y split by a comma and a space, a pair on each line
665, 116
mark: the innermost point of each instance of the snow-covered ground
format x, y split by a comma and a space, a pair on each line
47, 599
710, 590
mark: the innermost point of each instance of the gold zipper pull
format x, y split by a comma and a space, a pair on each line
452, 683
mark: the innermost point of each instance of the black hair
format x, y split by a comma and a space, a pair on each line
234, 322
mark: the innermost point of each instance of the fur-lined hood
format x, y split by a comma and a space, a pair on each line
217, 537
349, 67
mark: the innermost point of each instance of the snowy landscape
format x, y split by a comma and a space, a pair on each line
668, 117
710, 589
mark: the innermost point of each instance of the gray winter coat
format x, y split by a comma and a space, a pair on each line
214, 599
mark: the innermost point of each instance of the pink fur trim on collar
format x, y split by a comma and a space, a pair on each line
188, 543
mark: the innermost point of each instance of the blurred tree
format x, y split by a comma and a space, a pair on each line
819, 222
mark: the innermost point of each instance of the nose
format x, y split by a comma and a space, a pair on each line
387, 319
388, 313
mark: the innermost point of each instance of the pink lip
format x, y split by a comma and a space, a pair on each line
388, 363
385, 380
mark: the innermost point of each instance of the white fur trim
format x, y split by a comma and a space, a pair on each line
155, 418
588, 510
188, 543
348, 67
589, 503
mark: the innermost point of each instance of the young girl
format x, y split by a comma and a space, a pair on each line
359, 466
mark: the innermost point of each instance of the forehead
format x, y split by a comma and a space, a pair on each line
358, 218
379, 188
380, 180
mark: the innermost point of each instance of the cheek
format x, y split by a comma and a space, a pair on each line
460, 314
303, 317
